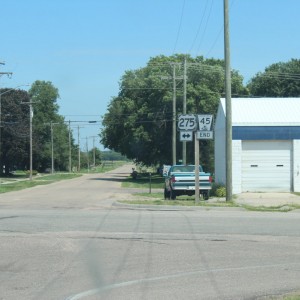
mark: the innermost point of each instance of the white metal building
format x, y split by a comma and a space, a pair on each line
265, 144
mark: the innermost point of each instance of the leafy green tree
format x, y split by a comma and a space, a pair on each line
112, 156
138, 123
14, 130
44, 97
89, 158
278, 80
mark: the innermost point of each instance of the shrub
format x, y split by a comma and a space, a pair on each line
34, 172
218, 190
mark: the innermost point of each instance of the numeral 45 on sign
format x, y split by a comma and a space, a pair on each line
205, 122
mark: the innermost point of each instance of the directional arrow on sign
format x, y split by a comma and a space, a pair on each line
186, 136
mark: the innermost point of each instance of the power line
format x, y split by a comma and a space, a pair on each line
199, 27
179, 28
219, 33
205, 27
283, 76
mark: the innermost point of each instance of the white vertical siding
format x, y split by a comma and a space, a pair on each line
296, 165
236, 166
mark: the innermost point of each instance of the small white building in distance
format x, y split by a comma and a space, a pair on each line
265, 145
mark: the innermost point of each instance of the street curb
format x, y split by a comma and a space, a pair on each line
174, 208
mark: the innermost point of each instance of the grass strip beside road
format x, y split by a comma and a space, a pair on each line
21, 184
179, 202
157, 199
19, 180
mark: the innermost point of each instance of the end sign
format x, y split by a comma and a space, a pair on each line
205, 135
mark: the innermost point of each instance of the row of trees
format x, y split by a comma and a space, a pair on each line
138, 122
14, 138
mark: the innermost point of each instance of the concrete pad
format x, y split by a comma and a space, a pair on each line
267, 199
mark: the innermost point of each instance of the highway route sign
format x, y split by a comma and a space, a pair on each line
186, 136
187, 122
205, 122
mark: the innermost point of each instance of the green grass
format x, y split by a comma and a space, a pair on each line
143, 181
157, 199
280, 208
19, 180
179, 203
292, 296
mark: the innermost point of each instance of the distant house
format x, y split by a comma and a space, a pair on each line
265, 144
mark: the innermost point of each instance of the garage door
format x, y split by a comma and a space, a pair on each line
266, 166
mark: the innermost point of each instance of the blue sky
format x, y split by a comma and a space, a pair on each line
84, 46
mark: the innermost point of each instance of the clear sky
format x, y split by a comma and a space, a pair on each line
84, 46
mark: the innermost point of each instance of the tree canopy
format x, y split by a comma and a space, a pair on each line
278, 80
44, 97
14, 129
15, 120
138, 123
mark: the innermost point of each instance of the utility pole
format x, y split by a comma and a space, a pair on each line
94, 152
197, 183
87, 154
174, 114
52, 156
70, 151
228, 104
174, 117
52, 145
78, 128
94, 149
8, 74
184, 110
30, 136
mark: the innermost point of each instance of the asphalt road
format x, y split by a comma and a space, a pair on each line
68, 241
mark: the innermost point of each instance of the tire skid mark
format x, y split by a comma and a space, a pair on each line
47, 287
202, 256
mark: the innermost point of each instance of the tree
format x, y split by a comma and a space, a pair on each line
45, 110
278, 80
112, 156
14, 130
90, 158
138, 123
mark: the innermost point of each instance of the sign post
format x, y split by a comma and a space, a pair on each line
204, 133
188, 126
197, 177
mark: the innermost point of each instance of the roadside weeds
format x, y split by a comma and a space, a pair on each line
155, 199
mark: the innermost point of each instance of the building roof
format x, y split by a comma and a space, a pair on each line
264, 111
